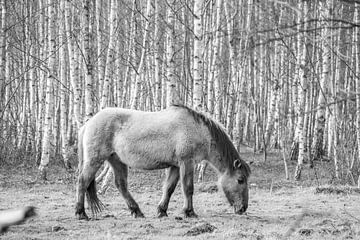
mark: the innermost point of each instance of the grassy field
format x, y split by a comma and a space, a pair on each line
278, 208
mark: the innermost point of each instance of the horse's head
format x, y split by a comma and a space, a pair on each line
235, 187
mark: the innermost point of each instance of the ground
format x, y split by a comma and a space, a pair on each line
278, 208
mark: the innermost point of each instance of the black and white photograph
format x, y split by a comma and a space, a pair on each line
179, 119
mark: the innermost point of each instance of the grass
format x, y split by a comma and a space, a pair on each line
313, 208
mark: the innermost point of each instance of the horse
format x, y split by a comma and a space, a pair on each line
175, 138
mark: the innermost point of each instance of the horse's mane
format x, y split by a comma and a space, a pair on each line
224, 144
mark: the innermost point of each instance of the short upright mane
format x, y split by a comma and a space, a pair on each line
223, 142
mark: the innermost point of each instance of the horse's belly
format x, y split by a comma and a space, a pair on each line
156, 157
146, 163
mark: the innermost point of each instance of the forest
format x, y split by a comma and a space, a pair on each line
281, 76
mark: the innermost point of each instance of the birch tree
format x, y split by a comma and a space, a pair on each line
275, 86
172, 94
2, 57
139, 70
233, 72
89, 104
317, 146
101, 62
111, 53
73, 59
357, 78
215, 66
51, 78
63, 89
157, 56
302, 91
198, 55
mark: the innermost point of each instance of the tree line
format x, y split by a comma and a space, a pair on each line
276, 74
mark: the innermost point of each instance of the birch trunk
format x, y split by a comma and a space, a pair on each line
302, 91
275, 86
208, 62
111, 52
63, 89
215, 66
32, 108
157, 57
172, 94
233, 81
89, 104
140, 67
127, 79
101, 63
73, 59
2, 59
317, 145
357, 79
41, 91
198, 55
49, 112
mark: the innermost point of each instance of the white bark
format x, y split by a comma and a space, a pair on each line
317, 146
110, 54
140, 69
49, 111
357, 79
215, 66
63, 89
2, 56
198, 55
157, 57
302, 91
89, 105
172, 94
73, 59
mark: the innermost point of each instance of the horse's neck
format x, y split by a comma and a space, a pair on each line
215, 159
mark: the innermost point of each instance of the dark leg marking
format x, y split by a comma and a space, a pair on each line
187, 181
121, 174
87, 174
171, 180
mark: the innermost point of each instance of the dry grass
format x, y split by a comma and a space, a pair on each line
278, 209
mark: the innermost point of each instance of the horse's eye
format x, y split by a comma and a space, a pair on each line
241, 180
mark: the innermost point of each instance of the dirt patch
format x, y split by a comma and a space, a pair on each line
337, 190
202, 228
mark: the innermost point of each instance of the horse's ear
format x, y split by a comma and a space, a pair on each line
237, 163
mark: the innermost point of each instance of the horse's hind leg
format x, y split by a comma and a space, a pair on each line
121, 174
187, 182
86, 176
171, 179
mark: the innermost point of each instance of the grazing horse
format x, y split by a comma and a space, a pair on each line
175, 138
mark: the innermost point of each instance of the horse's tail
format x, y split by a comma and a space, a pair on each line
94, 203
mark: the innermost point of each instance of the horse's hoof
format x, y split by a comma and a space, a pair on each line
190, 213
82, 216
162, 214
137, 213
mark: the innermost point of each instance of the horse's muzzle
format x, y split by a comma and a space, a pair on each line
240, 209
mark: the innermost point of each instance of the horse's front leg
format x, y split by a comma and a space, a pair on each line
171, 179
187, 181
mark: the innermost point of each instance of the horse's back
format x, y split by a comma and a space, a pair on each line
147, 139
